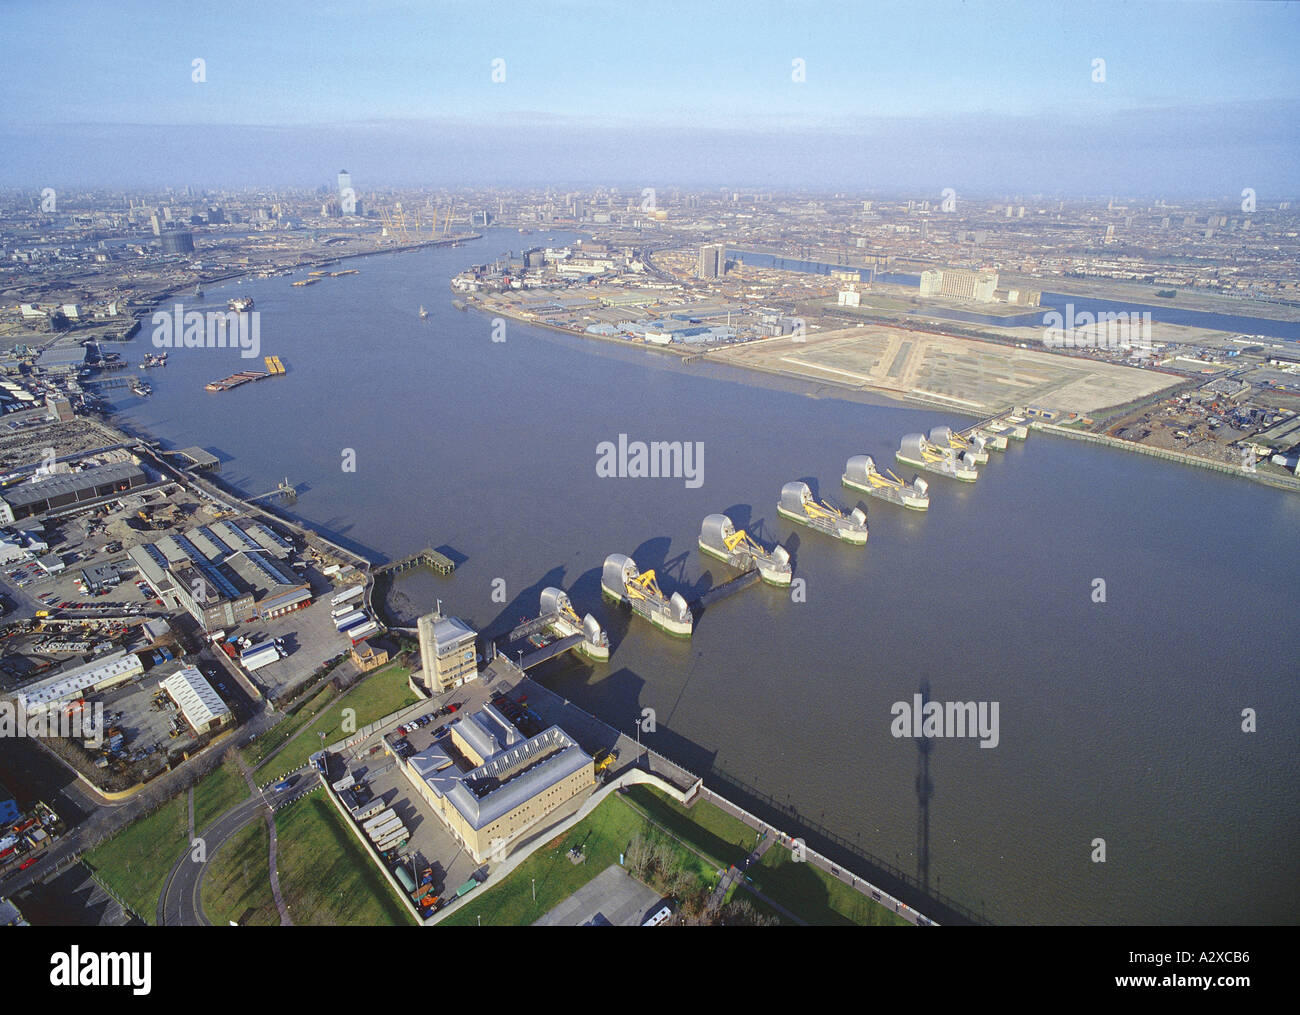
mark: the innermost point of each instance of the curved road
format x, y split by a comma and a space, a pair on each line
181, 903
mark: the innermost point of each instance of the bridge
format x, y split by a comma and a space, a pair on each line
551, 651
530, 627
428, 557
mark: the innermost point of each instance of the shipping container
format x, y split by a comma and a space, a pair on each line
379, 819
348, 619
347, 595
361, 631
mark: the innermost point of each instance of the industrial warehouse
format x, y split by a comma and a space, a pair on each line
224, 573
201, 706
52, 492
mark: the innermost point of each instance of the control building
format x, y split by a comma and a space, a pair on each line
494, 788
447, 653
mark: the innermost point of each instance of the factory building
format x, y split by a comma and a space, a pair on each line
447, 653
960, 284
224, 573
493, 788
69, 685
61, 490
201, 706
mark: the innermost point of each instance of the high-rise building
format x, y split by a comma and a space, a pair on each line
176, 242
345, 180
447, 654
712, 262
960, 284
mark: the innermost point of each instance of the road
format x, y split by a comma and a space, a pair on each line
181, 903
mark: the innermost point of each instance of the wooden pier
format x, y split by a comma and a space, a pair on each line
428, 557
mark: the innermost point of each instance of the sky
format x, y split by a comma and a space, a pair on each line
1192, 98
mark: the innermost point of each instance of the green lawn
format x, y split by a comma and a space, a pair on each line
216, 793
816, 896
135, 862
236, 885
383, 692
709, 829
603, 835
325, 875
257, 751
739, 892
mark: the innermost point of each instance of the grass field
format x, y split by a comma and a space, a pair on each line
377, 695
236, 885
216, 793
135, 862
325, 875
602, 836
256, 752
816, 896
709, 829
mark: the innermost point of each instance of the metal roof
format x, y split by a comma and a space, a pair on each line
70, 683
27, 494
198, 702
527, 769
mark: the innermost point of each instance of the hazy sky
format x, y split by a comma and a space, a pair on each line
1197, 97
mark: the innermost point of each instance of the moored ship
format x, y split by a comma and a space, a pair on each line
241, 304
235, 380
798, 505
720, 539
861, 473
621, 580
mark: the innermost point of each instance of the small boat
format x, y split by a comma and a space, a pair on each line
423, 313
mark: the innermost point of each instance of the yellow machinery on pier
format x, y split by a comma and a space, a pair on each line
274, 366
644, 586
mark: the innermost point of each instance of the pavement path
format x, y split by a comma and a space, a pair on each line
817, 860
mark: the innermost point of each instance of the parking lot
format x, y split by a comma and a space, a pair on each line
310, 638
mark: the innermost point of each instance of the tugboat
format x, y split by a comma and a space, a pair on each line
241, 304
198, 292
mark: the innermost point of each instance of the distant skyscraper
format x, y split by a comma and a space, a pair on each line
345, 180
712, 262
962, 284
156, 224
177, 242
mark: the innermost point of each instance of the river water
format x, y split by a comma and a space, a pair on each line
1118, 721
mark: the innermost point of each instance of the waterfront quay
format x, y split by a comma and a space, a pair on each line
635, 764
